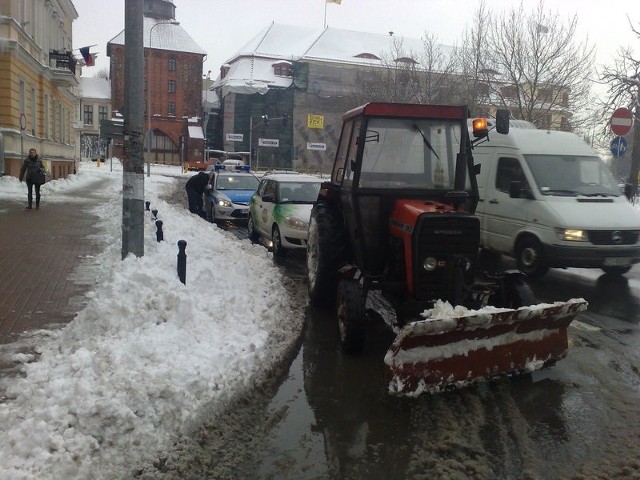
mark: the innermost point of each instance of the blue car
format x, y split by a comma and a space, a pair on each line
228, 194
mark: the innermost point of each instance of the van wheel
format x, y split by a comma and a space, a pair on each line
530, 258
616, 270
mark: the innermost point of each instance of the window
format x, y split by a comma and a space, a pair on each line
282, 69
172, 64
102, 113
172, 86
510, 170
171, 108
88, 115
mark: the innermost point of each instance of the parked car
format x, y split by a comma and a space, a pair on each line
228, 194
280, 208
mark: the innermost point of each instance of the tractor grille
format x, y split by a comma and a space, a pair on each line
448, 239
613, 237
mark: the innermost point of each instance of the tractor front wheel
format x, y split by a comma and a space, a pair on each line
351, 316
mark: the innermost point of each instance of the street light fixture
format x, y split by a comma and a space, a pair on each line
173, 22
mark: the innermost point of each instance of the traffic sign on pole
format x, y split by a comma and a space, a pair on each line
618, 146
621, 121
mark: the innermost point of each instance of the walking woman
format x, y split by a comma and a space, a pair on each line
34, 169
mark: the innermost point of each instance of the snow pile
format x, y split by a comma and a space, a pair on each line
148, 356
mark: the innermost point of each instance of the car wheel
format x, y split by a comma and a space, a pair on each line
616, 270
326, 252
530, 258
212, 214
351, 316
253, 235
276, 239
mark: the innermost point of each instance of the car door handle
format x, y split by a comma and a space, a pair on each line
493, 201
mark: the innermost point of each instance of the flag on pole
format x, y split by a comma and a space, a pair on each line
335, 1
89, 59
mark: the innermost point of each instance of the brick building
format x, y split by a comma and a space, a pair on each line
172, 86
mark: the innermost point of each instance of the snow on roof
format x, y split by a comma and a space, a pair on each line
195, 131
95, 87
250, 70
164, 36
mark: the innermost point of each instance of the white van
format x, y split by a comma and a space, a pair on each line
548, 200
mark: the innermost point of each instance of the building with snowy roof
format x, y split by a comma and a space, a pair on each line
303, 80
172, 86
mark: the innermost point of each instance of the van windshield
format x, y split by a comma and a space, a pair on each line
572, 175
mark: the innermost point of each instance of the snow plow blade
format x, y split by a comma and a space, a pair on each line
428, 356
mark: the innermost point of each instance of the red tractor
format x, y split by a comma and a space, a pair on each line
397, 217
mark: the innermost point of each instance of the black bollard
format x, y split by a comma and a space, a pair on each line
146, 205
155, 213
159, 232
182, 261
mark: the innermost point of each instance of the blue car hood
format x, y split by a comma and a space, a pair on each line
238, 196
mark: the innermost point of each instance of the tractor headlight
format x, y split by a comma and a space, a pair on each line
571, 234
430, 264
295, 223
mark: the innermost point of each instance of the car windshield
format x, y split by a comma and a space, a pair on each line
572, 175
236, 182
298, 192
410, 153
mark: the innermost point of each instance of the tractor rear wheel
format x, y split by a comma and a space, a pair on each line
351, 316
326, 247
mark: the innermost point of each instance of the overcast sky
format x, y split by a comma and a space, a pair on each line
222, 27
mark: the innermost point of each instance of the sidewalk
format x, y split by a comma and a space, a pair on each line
39, 249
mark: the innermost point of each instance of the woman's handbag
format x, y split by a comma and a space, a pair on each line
38, 178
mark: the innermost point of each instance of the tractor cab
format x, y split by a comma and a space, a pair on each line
400, 158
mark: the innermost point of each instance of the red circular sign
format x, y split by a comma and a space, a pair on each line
621, 121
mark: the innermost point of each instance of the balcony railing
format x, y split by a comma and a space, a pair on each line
63, 60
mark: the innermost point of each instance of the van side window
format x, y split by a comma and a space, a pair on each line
509, 170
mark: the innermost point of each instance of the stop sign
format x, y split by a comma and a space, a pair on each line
621, 121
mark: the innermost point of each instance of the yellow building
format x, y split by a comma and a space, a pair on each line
38, 82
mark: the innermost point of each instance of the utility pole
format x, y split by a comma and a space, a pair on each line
133, 172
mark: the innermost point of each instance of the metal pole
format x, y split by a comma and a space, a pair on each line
250, 140
133, 171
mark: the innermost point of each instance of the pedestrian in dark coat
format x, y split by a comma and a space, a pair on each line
195, 187
33, 172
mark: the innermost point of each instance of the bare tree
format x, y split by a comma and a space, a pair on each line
623, 80
103, 73
476, 76
408, 76
544, 70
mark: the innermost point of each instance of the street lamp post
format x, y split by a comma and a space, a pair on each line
149, 135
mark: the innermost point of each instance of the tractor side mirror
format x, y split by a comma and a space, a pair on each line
502, 121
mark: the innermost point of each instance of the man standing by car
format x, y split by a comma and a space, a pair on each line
195, 189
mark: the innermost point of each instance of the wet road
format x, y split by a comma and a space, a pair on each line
328, 416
